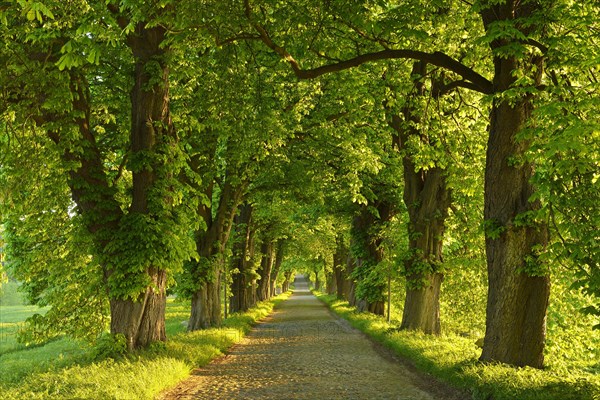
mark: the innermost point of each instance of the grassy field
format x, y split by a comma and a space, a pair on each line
453, 358
69, 369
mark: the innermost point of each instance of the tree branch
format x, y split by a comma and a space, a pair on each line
479, 82
122, 21
232, 39
456, 84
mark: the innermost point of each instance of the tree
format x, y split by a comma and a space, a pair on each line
565, 144
368, 252
427, 198
126, 191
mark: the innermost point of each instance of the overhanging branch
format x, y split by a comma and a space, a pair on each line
478, 82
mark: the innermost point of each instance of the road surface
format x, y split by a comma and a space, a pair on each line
303, 351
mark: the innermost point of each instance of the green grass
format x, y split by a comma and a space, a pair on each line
13, 312
10, 295
65, 369
453, 358
17, 360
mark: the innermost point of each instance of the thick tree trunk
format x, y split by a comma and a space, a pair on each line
519, 285
422, 306
287, 280
427, 199
365, 233
317, 283
266, 265
330, 283
517, 302
340, 258
377, 307
206, 306
143, 321
350, 283
251, 275
206, 301
242, 262
276, 265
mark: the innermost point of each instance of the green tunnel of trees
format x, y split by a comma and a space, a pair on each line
210, 149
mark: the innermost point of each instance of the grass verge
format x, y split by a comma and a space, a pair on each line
142, 375
453, 359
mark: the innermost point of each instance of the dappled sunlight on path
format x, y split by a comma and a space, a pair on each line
302, 351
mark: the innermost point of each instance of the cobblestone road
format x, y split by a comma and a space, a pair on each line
303, 351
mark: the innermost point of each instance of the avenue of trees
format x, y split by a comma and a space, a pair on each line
210, 148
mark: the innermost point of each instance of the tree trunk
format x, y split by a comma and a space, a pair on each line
351, 283
369, 253
206, 305
519, 285
340, 258
330, 283
317, 284
377, 307
242, 261
427, 199
276, 265
206, 301
266, 265
287, 280
143, 321
517, 302
422, 306
251, 275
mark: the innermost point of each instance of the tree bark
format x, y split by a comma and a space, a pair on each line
350, 286
287, 280
517, 302
206, 302
242, 261
143, 321
317, 280
279, 247
519, 285
339, 268
206, 305
427, 199
266, 265
330, 283
369, 253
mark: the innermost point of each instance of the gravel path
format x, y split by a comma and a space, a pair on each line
303, 351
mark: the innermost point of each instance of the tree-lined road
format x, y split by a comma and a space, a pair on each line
302, 351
